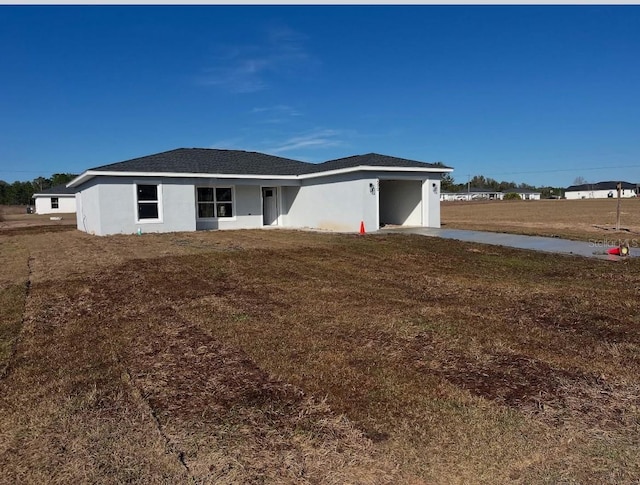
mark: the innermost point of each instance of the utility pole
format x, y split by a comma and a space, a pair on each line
619, 189
469, 187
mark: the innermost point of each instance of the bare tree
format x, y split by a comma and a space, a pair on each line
580, 181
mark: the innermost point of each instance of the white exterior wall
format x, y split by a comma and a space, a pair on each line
341, 202
431, 202
337, 203
88, 208
108, 206
599, 194
66, 204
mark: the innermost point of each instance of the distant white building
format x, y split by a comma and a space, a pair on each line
474, 193
601, 190
525, 194
56, 200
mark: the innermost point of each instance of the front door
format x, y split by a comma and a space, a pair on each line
269, 206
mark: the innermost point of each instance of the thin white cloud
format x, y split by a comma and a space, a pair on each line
314, 140
236, 143
246, 68
275, 114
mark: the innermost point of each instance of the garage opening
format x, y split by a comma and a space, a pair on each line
401, 202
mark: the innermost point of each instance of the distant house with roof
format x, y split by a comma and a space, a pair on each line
525, 194
601, 190
474, 193
190, 189
56, 200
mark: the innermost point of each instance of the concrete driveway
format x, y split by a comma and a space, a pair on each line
595, 249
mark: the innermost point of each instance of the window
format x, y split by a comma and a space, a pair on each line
215, 202
54, 203
148, 202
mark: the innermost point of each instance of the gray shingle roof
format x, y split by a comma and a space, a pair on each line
521, 191
373, 160
610, 185
229, 162
209, 160
57, 190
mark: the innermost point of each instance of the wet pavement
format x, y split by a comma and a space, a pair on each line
596, 248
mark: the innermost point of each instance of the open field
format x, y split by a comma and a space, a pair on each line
14, 216
572, 219
293, 357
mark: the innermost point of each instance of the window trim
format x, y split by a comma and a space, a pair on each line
57, 204
136, 212
215, 202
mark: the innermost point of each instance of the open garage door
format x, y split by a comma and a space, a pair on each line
401, 202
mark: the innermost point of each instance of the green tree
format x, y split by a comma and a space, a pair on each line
4, 188
448, 184
20, 193
478, 181
41, 183
61, 178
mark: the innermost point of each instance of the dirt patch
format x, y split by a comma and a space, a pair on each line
570, 314
558, 397
15, 218
32, 230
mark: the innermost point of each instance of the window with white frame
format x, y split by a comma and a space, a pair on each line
214, 202
55, 203
148, 200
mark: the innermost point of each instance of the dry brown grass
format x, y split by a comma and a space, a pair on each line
292, 357
14, 285
574, 219
15, 217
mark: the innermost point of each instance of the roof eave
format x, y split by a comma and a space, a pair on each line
83, 177
372, 168
89, 174
53, 194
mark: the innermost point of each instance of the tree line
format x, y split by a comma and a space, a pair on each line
21, 193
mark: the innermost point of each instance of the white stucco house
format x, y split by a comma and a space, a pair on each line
191, 189
600, 190
56, 200
525, 194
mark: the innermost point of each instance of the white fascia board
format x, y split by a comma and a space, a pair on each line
369, 168
93, 173
83, 177
53, 195
89, 174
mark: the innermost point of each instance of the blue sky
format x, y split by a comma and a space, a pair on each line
535, 94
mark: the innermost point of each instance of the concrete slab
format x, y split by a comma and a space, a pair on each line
595, 249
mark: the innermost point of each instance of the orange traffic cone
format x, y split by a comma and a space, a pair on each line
361, 227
